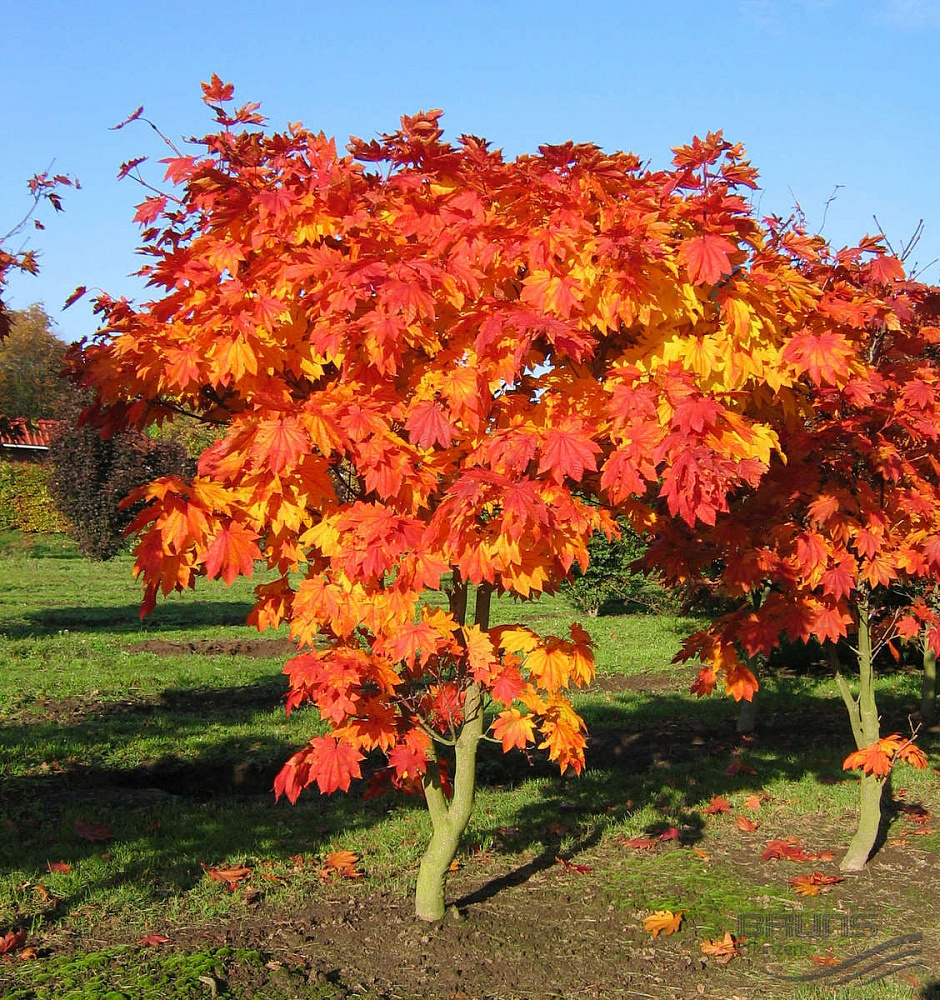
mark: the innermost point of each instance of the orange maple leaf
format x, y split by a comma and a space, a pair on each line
717, 804
513, 729
230, 876
721, 949
662, 922
879, 758
813, 885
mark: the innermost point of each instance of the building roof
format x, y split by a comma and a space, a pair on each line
18, 433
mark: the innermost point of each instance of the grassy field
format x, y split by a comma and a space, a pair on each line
136, 762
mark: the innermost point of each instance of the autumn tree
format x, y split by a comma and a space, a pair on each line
840, 542
436, 369
42, 188
31, 384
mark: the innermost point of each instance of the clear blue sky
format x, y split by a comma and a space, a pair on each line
821, 92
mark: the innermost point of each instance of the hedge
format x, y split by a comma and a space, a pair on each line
25, 501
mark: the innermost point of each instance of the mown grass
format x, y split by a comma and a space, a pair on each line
174, 752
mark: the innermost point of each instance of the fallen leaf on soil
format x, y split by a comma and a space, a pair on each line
11, 941
914, 812
92, 831
752, 802
824, 959
722, 950
699, 853
671, 834
813, 885
792, 849
638, 843
922, 832
58, 866
230, 876
717, 805
662, 922
152, 940
27, 954
746, 825
577, 869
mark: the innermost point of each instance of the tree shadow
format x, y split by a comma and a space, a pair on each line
125, 619
195, 801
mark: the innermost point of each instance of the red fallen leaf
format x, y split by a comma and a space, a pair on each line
92, 831
11, 941
671, 834
746, 825
569, 867
638, 843
752, 802
717, 805
737, 767
152, 940
230, 876
914, 812
58, 866
792, 849
922, 832
824, 959
813, 885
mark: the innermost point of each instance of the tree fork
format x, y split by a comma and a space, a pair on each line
449, 819
863, 715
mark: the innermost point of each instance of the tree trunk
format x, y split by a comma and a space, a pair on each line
450, 819
747, 714
863, 714
928, 698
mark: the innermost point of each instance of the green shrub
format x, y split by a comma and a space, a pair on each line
612, 580
26, 503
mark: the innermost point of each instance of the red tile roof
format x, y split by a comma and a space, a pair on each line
36, 436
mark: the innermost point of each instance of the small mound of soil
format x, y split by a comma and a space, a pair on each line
258, 648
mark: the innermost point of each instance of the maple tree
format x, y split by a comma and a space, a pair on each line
840, 542
436, 372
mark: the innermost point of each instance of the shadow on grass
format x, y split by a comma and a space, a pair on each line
206, 795
125, 618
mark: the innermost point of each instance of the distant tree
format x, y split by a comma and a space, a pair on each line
30, 365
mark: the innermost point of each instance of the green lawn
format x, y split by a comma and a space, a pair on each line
160, 739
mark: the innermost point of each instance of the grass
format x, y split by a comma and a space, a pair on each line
173, 747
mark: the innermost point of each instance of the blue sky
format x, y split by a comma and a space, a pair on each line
821, 92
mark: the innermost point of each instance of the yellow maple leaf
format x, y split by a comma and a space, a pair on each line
662, 922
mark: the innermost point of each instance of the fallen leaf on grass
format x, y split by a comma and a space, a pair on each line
813, 885
92, 831
671, 834
746, 825
737, 767
699, 853
638, 843
343, 863
11, 941
722, 949
230, 876
58, 866
718, 804
152, 940
662, 922
27, 954
752, 802
570, 867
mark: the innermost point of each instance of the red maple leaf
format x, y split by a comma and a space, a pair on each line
706, 258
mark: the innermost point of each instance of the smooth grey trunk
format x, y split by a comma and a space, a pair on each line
747, 714
928, 693
863, 715
450, 819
